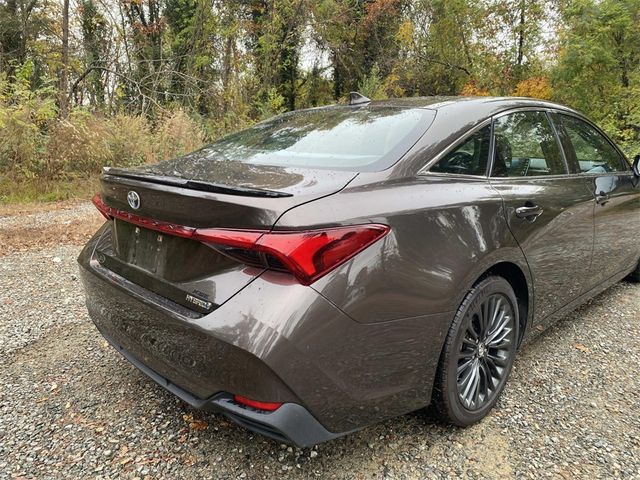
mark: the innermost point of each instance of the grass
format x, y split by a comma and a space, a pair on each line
27, 191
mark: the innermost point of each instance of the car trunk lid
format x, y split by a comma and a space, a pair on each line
148, 246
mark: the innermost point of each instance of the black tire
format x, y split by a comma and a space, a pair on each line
455, 398
635, 275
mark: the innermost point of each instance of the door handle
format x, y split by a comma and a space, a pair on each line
529, 212
602, 198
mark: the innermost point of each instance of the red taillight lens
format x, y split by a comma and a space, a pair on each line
101, 206
311, 254
307, 254
268, 406
230, 238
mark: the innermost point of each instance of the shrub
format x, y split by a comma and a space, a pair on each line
83, 143
24, 117
373, 85
129, 141
473, 89
176, 134
76, 146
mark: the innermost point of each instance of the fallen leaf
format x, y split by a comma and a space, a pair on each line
195, 424
581, 347
198, 425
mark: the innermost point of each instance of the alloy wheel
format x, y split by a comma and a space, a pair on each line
484, 353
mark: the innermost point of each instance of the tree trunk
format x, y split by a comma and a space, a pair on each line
64, 72
521, 33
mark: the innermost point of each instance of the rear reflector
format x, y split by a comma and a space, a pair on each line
307, 254
247, 402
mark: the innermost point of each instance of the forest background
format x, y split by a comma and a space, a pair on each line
87, 83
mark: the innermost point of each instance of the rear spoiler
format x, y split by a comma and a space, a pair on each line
192, 184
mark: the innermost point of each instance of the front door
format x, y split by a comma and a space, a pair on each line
616, 197
549, 212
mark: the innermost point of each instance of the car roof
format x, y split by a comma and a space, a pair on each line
454, 118
480, 106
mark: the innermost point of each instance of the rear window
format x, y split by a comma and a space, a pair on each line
344, 138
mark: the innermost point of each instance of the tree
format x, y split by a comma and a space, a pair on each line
94, 41
360, 35
25, 25
64, 69
275, 38
598, 70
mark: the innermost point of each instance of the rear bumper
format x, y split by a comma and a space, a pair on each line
276, 341
291, 423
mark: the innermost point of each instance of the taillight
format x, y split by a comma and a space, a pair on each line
247, 402
307, 254
311, 254
101, 206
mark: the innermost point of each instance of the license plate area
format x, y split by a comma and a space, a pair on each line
147, 249
172, 258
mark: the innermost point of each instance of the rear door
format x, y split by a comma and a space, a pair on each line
549, 212
616, 196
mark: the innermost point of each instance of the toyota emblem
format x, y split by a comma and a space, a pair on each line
134, 200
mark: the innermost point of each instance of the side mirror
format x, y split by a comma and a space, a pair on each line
636, 166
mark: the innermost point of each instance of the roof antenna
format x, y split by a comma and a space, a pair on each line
356, 98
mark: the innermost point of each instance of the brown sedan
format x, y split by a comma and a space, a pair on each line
329, 268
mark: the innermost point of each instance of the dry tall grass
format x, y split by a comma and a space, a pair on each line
39, 153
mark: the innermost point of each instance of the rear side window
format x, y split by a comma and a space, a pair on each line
468, 158
526, 146
343, 138
593, 152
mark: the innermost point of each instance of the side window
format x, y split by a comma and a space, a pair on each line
468, 158
526, 146
594, 152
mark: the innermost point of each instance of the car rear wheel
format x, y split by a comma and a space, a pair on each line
478, 353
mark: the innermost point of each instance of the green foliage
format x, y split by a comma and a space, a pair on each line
372, 85
598, 68
95, 41
25, 114
273, 104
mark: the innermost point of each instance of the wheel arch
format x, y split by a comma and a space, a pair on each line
516, 277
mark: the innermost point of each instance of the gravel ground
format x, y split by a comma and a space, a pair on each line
36, 227
71, 407
65, 215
